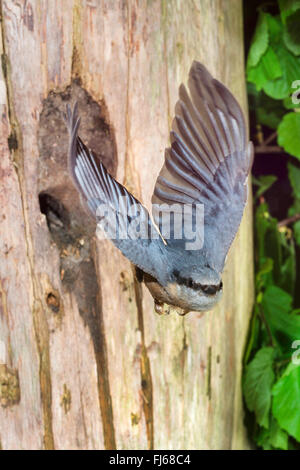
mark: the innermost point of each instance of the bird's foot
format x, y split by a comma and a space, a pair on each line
161, 308
181, 311
164, 309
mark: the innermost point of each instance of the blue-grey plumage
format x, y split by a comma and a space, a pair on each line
208, 163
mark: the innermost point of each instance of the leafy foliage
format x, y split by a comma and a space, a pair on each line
291, 35
259, 43
294, 175
267, 69
289, 133
259, 378
272, 438
271, 381
287, 8
286, 401
273, 67
275, 325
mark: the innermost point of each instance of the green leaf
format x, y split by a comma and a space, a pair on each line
267, 239
273, 243
267, 69
276, 301
253, 336
295, 208
258, 381
291, 34
294, 177
264, 183
273, 248
270, 115
296, 228
273, 438
275, 28
278, 437
286, 400
265, 268
289, 134
287, 7
259, 42
264, 276
288, 266
280, 88
268, 112
262, 439
284, 327
262, 224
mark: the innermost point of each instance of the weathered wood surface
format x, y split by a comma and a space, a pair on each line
109, 372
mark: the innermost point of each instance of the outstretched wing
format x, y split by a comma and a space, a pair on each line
208, 162
125, 220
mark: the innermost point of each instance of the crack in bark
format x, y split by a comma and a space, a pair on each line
146, 377
208, 374
98, 336
183, 365
76, 66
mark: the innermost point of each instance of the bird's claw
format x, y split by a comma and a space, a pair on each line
164, 309
161, 308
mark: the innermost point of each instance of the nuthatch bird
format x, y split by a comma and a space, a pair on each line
206, 167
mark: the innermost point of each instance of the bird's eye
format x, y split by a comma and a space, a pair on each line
210, 290
191, 283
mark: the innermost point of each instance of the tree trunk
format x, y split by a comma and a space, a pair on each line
85, 363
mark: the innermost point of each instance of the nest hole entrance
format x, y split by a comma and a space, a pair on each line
58, 197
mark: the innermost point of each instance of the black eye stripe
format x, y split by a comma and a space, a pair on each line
188, 282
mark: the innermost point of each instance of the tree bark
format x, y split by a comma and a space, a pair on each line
85, 363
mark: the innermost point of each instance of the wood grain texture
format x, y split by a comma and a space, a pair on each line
118, 375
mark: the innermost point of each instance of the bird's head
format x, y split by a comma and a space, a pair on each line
195, 288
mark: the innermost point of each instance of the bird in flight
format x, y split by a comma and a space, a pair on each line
197, 203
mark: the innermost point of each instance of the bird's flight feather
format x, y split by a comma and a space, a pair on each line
208, 161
